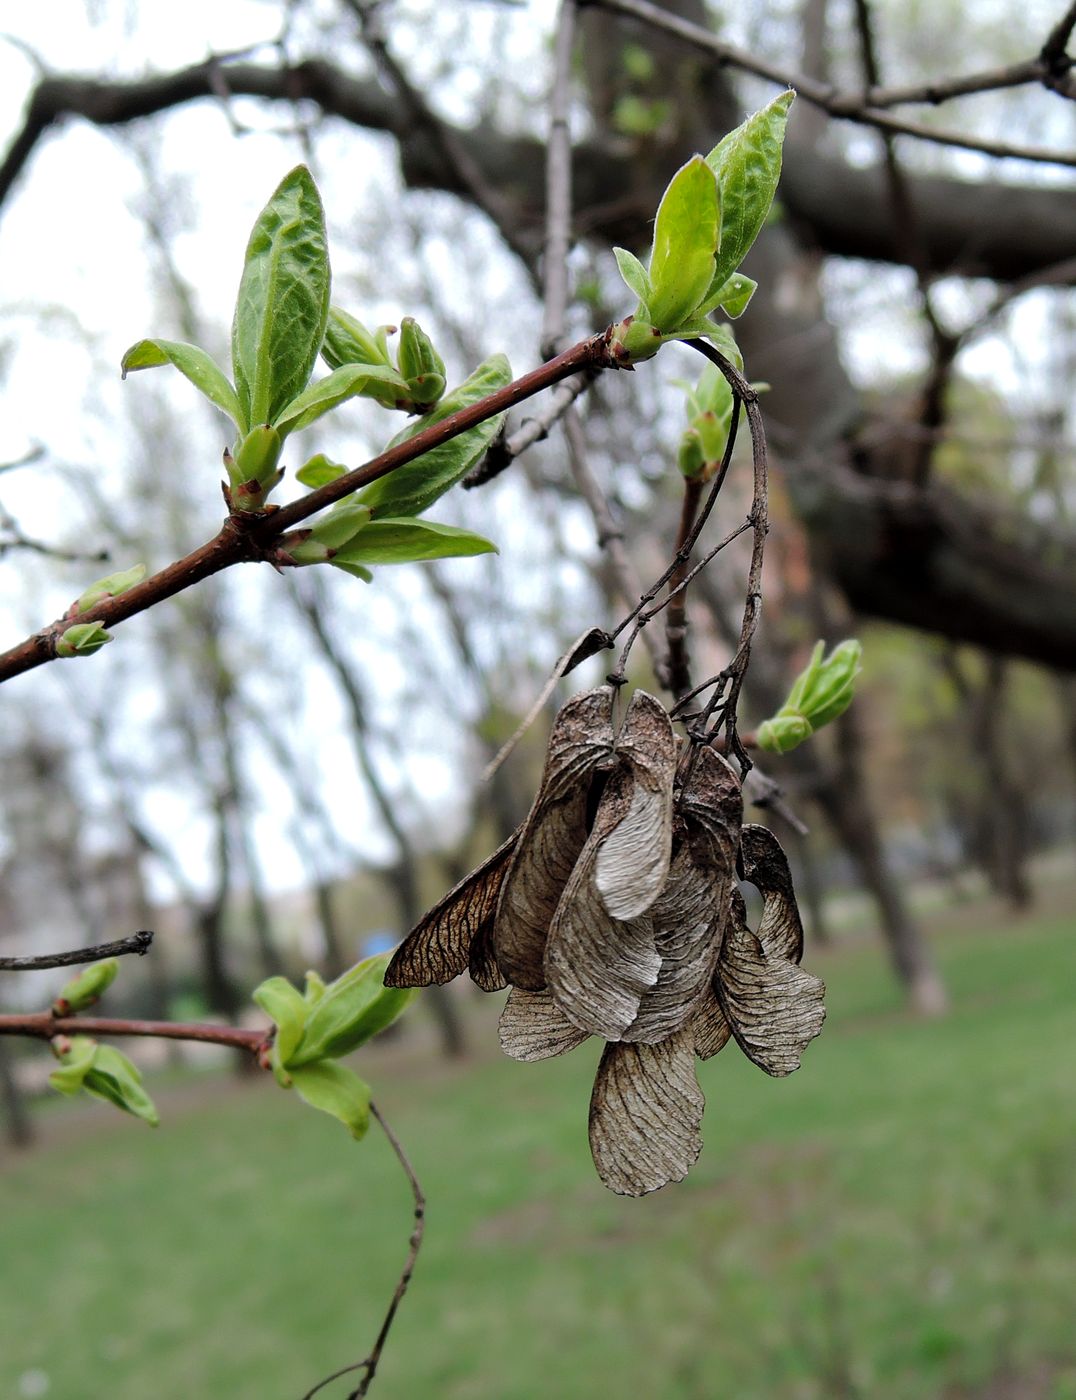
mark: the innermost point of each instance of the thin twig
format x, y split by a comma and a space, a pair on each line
136, 943
251, 538
854, 108
678, 663
370, 1363
43, 1025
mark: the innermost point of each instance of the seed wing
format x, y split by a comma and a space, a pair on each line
646, 1114
533, 1027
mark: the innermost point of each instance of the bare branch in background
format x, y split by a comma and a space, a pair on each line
138, 943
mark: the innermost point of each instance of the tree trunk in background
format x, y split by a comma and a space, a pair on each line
848, 808
18, 1126
809, 884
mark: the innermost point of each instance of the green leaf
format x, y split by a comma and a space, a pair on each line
344, 383
200, 369
110, 587
413, 488
315, 987
287, 1009
350, 1010
319, 471
635, 278
348, 342
409, 541
283, 301
76, 1060
747, 164
732, 296
116, 1080
355, 570
685, 240
337, 1090
88, 987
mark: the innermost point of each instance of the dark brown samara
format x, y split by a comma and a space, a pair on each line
614, 911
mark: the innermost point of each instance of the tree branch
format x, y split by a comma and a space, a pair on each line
137, 943
43, 1025
245, 539
847, 107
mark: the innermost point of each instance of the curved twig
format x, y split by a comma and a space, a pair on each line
369, 1363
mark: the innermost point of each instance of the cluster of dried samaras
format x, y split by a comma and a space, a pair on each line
614, 911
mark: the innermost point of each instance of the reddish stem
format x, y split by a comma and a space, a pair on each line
43, 1025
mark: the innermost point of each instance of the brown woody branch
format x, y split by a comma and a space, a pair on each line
252, 538
856, 107
137, 943
43, 1025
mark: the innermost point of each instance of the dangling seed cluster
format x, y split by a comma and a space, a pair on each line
613, 910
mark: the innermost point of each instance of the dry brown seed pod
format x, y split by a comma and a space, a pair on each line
765, 865
441, 944
709, 1026
633, 861
688, 917
580, 744
598, 967
773, 1007
533, 1027
646, 1114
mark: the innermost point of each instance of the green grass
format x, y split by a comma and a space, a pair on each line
896, 1221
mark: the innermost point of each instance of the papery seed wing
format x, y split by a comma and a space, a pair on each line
552, 835
709, 1026
598, 967
633, 862
687, 925
773, 1007
689, 915
765, 865
533, 1027
646, 1114
482, 961
440, 945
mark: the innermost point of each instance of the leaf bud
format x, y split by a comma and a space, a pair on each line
87, 988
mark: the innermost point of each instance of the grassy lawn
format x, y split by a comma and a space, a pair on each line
896, 1221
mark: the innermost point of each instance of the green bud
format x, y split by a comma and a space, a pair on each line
88, 987
351, 1010
75, 1054
783, 733
633, 341
420, 364
315, 987
689, 458
83, 639
110, 587
821, 692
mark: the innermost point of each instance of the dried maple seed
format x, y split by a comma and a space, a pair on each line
455, 932
580, 744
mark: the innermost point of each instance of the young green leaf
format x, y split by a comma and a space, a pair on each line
635, 278
348, 342
283, 301
344, 383
76, 1060
287, 1009
340, 525
199, 368
747, 164
337, 1090
349, 1012
411, 541
355, 570
116, 1080
732, 296
319, 471
413, 488
685, 240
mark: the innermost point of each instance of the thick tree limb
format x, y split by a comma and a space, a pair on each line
1003, 231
